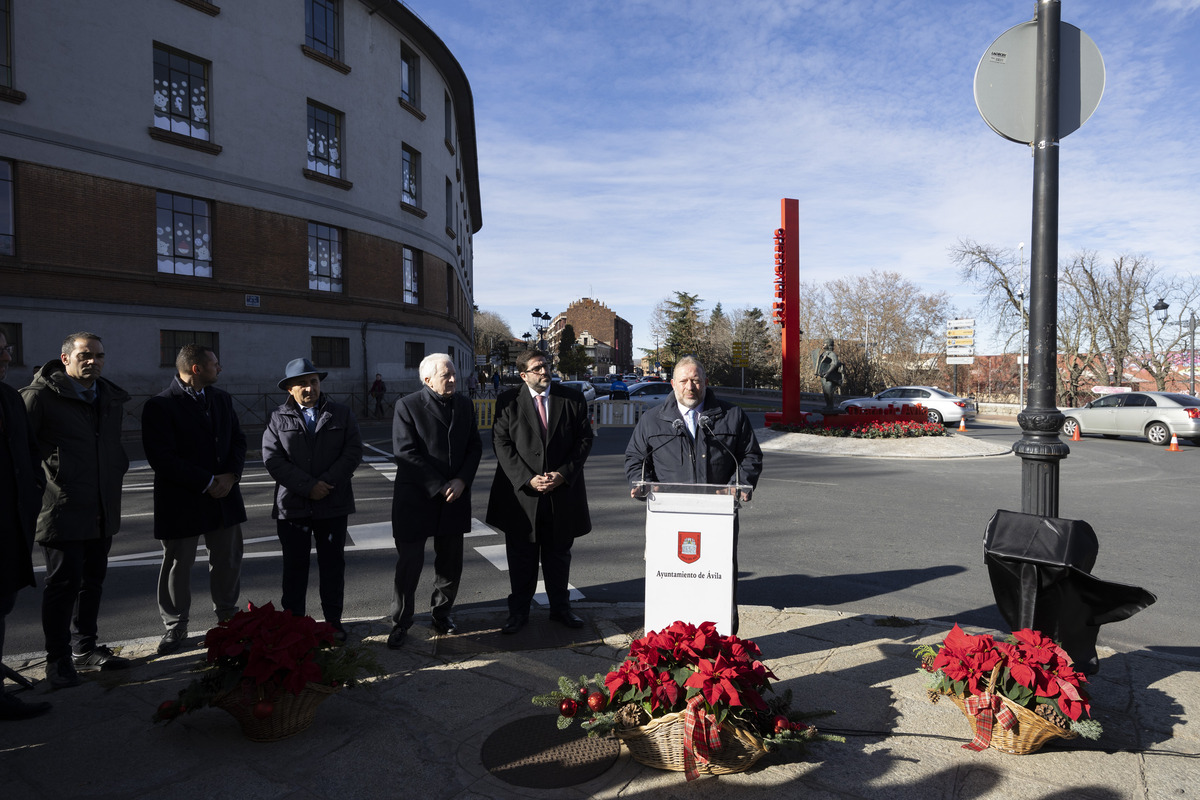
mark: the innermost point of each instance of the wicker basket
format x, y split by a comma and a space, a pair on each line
292, 713
1027, 735
659, 743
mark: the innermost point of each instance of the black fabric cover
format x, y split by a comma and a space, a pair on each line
1040, 573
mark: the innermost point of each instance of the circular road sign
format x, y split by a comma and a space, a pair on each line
1006, 81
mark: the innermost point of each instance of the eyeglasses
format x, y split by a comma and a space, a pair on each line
538, 368
9, 348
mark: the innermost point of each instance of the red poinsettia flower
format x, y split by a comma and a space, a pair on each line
1038, 647
969, 659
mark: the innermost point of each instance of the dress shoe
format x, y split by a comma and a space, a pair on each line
99, 657
61, 673
172, 641
514, 623
339, 632
566, 618
444, 625
396, 638
14, 708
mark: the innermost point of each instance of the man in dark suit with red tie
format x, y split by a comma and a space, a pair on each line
542, 436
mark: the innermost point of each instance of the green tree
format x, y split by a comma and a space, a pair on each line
572, 356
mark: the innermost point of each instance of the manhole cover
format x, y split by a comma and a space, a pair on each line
533, 752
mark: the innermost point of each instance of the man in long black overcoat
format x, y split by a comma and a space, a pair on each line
436, 443
542, 436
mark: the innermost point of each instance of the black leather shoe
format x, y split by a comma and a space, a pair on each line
566, 618
514, 623
396, 638
339, 632
14, 708
99, 657
61, 673
444, 625
172, 641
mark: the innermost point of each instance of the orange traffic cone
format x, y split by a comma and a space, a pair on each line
962, 425
1174, 448
1075, 437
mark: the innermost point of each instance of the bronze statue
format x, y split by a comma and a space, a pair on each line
830, 370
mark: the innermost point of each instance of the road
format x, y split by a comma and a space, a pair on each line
901, 537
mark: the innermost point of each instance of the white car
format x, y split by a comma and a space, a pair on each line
588, 391
942, 407
647, 392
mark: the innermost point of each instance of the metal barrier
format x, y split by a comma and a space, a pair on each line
485, 413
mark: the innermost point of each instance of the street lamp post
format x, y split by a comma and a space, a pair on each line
1021, 364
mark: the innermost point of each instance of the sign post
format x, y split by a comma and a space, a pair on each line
785, 311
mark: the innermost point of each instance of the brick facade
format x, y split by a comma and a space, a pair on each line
602, 323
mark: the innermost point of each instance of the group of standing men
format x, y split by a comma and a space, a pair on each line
63, 464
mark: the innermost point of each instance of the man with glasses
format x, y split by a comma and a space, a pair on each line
542, 437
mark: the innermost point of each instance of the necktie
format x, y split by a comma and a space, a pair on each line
310, 419
541, 409
691, 422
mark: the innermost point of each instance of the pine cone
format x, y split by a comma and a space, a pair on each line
631, 715
1052, 715
934, 695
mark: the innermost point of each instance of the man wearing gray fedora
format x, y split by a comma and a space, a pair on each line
311, 447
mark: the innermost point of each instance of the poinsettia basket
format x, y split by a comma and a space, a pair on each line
1017, 694
270, 669
687, 699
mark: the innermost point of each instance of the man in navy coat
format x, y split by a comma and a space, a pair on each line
197, 449
542, 436
436, 443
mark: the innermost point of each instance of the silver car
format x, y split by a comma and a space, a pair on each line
942, 408
648, 393
1154, 415
588, 391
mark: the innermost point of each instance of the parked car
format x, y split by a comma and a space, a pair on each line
1154, 415
589, 391
943, 408
649, 393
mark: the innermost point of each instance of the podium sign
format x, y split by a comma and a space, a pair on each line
689, 554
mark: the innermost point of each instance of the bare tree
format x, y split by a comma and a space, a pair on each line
490, 331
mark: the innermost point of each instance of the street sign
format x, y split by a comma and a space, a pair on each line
961, 323
960, 359
960, 351
960, 332
960, 341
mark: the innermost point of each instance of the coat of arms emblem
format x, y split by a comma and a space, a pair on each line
689, 546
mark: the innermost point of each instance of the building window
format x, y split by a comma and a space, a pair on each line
332, 352
414, 352
411, 283
410, 77
8, 246
449, 123
449, 207
181, 93
324, 258
322, 27
171, 342
184, 228
324, 140
411, 191
6, 43
450, 287
12, 334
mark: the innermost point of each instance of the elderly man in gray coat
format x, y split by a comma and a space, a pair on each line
436, 443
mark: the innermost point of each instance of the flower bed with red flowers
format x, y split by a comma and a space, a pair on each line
717, 680
1029, 669
263, 652
876, 429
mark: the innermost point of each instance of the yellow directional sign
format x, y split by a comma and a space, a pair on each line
961, 332
953, 342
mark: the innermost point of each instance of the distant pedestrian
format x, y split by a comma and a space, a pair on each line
76, 416
472, 385
196, 446
311, 448
378, 390
496, 383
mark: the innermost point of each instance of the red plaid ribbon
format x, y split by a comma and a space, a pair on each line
701, 735
986, 708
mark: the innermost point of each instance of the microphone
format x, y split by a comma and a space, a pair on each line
706, 424
678, 426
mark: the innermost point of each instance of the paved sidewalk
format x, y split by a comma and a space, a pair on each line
419, 731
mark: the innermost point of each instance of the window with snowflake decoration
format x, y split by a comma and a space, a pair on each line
184, 235
324, 140
324, 257
410, 179
181, 93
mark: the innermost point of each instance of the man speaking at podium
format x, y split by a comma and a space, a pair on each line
696, 439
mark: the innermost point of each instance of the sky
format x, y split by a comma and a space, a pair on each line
629, 149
